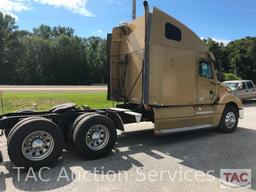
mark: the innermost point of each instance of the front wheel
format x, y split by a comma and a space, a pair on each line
229, 120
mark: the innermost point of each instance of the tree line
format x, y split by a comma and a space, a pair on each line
49, 55
238, 58
56, 56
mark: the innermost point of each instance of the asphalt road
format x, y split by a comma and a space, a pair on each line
31, 89
143, 162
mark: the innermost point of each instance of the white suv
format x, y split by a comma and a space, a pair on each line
244, 89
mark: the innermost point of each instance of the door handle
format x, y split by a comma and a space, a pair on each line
247, 91
211, 94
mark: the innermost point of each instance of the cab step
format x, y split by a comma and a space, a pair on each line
184, 129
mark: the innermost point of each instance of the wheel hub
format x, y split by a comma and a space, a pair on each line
37, 146
97, 137
38, 143
230, 120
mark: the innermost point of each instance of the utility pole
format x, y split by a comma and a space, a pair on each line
133, 9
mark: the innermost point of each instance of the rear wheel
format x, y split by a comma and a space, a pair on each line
229, 120
78, 119
25, 111
35, 143
7, 132
94, 136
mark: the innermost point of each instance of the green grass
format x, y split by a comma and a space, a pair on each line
45, 101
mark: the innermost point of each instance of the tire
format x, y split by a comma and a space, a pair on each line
25, 111
78, 119
47, 138
229, 120
104, 132
8, 132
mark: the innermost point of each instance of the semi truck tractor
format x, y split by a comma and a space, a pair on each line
159, 71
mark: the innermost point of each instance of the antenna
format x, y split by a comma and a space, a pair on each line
133, 9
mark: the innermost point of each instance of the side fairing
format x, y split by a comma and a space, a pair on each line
126, 56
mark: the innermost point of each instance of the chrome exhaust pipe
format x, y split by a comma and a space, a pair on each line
134, 10
145, 80
146, 7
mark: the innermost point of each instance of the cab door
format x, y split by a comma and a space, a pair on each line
251, 90
242, 91
206, 83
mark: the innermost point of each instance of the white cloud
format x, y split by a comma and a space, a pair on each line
12, 15
76, 6
9, 7
13, 5
99, 31
224, 41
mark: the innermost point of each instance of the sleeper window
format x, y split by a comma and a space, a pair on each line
172, 32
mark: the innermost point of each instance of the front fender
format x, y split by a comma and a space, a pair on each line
225, 99
230, 98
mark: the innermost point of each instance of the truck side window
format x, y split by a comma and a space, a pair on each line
172, 32
205, 69
250, 85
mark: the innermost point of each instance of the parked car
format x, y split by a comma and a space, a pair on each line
244, 89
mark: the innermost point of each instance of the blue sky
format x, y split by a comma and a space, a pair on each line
220, 19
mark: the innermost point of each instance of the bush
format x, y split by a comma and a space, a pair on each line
230, 77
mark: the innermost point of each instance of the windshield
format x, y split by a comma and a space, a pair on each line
232, 86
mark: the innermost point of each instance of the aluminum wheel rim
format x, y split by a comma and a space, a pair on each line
230, 120
97, 137
37, 145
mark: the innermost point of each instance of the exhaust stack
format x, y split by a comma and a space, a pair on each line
134, 9
145, 77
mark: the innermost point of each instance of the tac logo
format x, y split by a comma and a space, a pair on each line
235, 178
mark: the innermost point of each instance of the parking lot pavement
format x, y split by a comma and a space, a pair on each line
143, 162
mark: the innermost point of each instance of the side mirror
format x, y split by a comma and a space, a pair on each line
240, 87
218, 67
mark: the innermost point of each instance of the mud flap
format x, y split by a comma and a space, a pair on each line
109, 41
1, 157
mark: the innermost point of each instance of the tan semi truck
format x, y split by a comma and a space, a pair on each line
160, 71
160, 65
